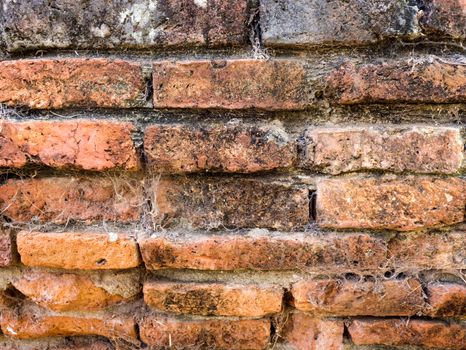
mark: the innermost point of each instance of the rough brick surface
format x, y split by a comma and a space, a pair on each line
329, 252
433, 80
76, 343
83, 144
359, 297
61, 199
446, 299
305, 332
396, 332
237, 149
71, 82
217, 334
231, 203
7, 251
230, 84
445, 18
75, 292
336, 22
213, 298
124, 24
87, 251
396, 149
395, 203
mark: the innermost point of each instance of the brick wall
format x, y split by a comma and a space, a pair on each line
212, 174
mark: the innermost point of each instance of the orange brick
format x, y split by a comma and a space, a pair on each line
81, 144
394, 203
213, 298
59, 199
230, 84
71, 82
161, 332
446, 299
87, 251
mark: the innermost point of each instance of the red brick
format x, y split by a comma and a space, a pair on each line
442, 250
394, 203
417, 81
359, 298
213, 298
305, 332
71, 82
75, 292
81, 144
446, 299
86, 251
237, 149
327, 252
162, 332
212, 202
445, 18
396, 149
396, 332
7, 251
60, 199
230, 84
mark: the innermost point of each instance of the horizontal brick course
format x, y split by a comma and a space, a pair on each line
84, 250
213, 298
81, 144
231, 84
446, 299
226, 148
72, 82
394, 203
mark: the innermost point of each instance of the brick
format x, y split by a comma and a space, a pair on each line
327, 252
60, 200
433, 80
396, 149
305, 332
31, 322
71, 82
445, 18
76, 292
84, 250
213, 299
54, 344
82, 144
223, 148
423, 250
446, 299
298, 23
396, 332
141, 24
231, 84
7, 250
393, 203
359, 298
232, 203
162, 332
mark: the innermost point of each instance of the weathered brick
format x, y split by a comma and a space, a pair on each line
213, 298
336, 22
31, 322
77, 343
445, 18
225, 202
82, 144
7, 251
237, 149
446, 299
231, 84
395, 203
77, 292
162, 332
61, 199
71, 82
396, 332
433, 80
359, 298
327, 252
86, 251
397, 149
305, 332
423, 250
138, 24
